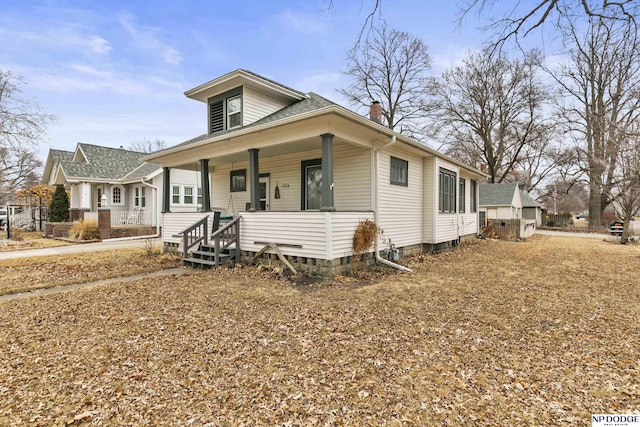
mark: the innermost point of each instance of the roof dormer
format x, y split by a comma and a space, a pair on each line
240, 98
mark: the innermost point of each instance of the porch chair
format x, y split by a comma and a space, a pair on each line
134, 216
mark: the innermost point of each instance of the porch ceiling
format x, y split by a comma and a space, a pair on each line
301, 145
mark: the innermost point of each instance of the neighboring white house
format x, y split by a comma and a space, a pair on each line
501, 201
302, 172
530, 208
114, 178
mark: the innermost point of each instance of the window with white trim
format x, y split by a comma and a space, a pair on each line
188, 195
140, 198
399, 172
199, 196
175, 194
234, 112
116, 196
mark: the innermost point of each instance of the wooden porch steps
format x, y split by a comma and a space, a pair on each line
205, 256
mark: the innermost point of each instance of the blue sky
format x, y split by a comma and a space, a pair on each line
114, 72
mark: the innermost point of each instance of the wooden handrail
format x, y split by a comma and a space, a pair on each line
225, 236
194, 234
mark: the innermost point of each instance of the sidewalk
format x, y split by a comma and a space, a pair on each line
66, 288
80, 248
572, 234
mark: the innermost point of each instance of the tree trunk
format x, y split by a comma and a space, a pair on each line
626, 226
595, 203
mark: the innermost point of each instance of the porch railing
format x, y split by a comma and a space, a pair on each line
226, 236
133, 217
194, 234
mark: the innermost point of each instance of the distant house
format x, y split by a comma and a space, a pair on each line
118, 179
530, 208
299, 171
501, 201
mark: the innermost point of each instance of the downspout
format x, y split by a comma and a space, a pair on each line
375, 208
149, 236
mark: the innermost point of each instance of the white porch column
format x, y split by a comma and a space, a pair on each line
85, 196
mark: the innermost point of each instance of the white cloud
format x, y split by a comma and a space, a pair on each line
451, 56
302, 23
147, 38
68, 36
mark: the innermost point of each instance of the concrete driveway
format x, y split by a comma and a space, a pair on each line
74, 249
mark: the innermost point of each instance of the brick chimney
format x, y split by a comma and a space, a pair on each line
375, 112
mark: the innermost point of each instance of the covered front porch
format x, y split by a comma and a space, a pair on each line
305, 193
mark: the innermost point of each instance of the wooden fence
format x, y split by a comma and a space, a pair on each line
509, 228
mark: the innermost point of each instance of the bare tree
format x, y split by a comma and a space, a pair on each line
147, 145
626, 192
521, 18
490, 111
22, 126
390, 67
599, 86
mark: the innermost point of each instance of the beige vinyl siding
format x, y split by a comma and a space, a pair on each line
257, 105
323, 235
468, 220
344, 226
400, 208
430, 202
175, 222
447, 224
351, 176
285, 229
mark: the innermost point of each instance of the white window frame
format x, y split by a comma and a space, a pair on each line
230, 114
140, 197
185, 195
174, 194
113, 195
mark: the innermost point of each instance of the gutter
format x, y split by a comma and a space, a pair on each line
376, 151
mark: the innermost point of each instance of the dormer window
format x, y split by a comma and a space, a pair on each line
225, 111
234, 112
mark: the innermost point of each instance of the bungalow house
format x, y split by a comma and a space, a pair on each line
301, 172
103, 177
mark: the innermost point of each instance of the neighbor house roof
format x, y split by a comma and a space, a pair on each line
528, 201
106, 163
61, 155
54, 158
497, 194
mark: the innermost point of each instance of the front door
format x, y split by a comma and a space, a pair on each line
311, 184
264, 191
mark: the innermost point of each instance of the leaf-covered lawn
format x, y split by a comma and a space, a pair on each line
28, 240
544, 332
28, 274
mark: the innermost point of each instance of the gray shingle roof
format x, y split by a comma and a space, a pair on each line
313, 102
61, 156
105, 163
143, 170
497, 194
528, 201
